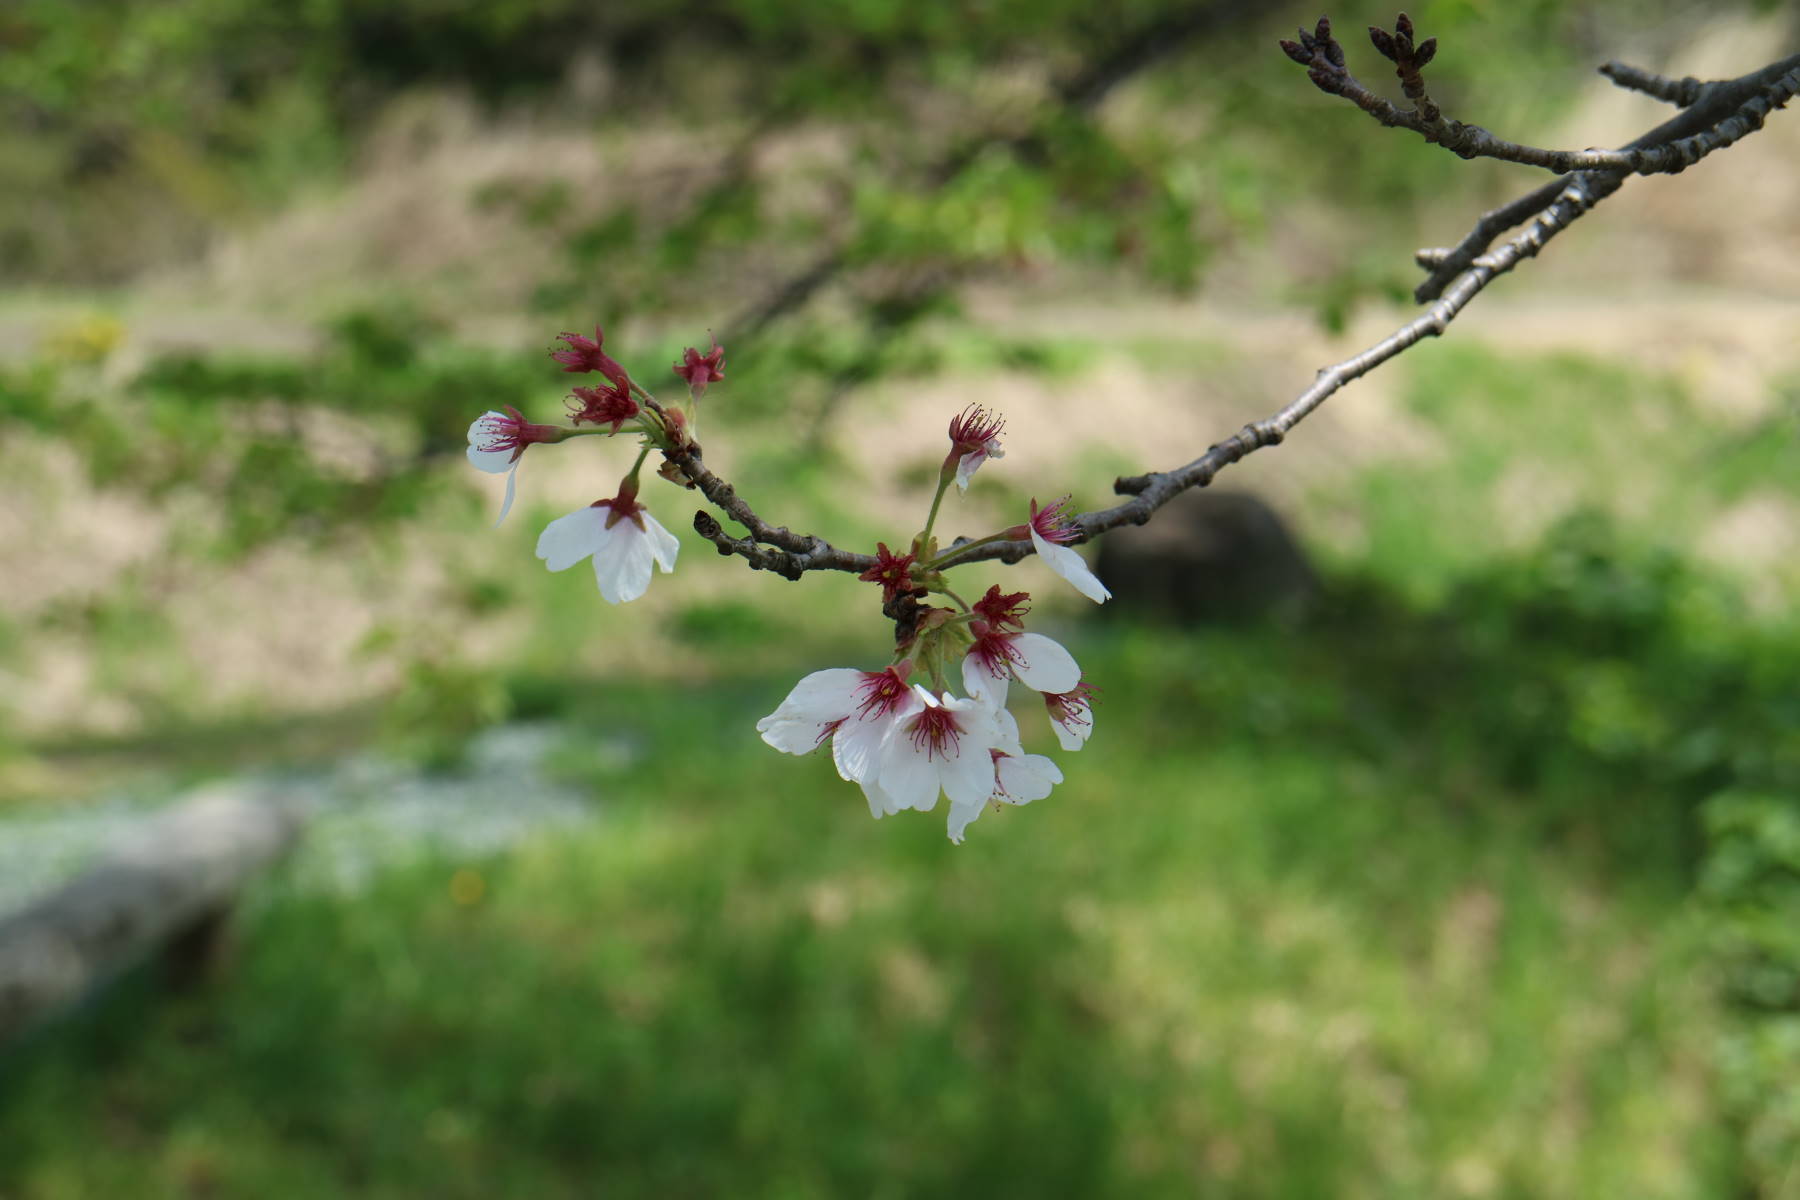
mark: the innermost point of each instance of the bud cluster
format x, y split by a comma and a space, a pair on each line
905, 743
617, 535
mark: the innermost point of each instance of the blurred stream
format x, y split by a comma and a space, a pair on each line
369, 813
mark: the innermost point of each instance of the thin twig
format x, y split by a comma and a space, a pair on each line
1324, 59
1681, 92
1715, 104
1081, 92
1445, 265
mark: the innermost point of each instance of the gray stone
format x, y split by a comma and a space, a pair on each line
1208, 557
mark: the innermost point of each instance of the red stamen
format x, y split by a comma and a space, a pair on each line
933, 728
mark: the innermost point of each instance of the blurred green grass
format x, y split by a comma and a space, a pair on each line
1269, 940
1386, 903
1397, 900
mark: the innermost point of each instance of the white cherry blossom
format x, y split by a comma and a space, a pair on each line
1051, 531
1019, 778
1071, 715
999, 656
1002, 651
497, 441
855, 710
622, 538
942, 745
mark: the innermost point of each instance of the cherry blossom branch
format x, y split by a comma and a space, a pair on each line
1740, 104
1445, 264
1681, 92
1150, 492
1324, 59
791, 555
769, 547
902, 742
1721, 114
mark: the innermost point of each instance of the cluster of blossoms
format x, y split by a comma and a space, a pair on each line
617, 534
900, 733
904, 743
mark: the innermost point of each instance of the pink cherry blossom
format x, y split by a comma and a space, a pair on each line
974, 438
701, 369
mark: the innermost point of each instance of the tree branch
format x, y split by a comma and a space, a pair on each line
1681, 92
1324, 59
1152, 491
1081, 92
1715, 104
1719, 115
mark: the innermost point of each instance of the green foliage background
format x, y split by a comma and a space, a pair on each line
1480, 880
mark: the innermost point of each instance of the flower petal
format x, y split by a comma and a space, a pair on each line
569, 539
792, 735
1072, 734
880, 803
906, 775
969, 777
1070, 566
622, 563
856, 746
493, 461
965, 467
981, 679
1023, 778
817, 703
961, 817
512, 484
1043, 665
825, 695
1008, 740
662, 543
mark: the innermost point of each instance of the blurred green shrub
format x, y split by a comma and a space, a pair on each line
1751, 891
127, 119
439, 707
308, 447
1612, 676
